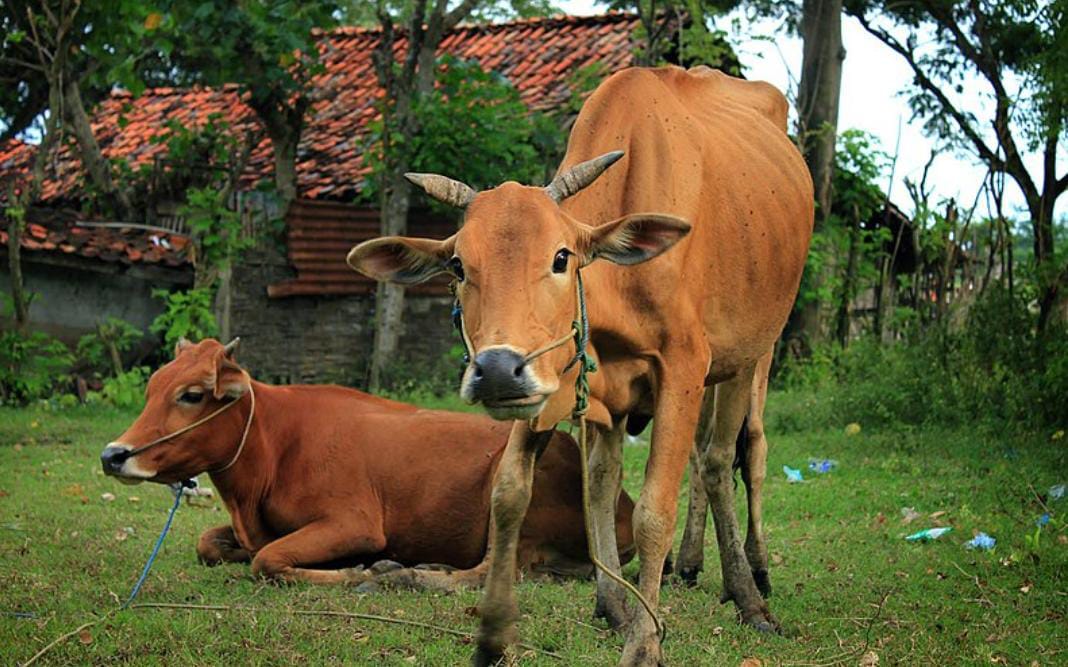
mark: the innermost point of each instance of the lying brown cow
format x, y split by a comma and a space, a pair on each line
327, 476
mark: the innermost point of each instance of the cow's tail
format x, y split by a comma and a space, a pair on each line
741, 450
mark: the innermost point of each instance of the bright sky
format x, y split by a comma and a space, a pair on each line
872, 77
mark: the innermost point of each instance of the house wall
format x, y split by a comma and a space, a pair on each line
73, 297
328, 338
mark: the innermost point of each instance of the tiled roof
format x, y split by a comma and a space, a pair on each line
537, 55
61, 232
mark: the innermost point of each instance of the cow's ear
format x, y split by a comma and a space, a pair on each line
635, 238
230, 379
401, 259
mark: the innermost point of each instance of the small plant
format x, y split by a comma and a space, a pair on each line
32, 366
103, 349
187, 314
127, 390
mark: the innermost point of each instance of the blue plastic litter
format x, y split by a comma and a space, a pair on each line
1042, 520
822, 465
981, 541
1056, 492
792, 474
928, 534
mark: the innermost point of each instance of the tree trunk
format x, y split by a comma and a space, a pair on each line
284, 141
842, 325
817, 107
14, 265
1048, 277
389, 300
224, 301
97, 168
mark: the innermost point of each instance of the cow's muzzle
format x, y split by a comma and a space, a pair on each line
116, 462
503, 382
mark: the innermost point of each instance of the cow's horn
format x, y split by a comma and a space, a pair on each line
182, 343
444, 189
579, 176
231, 347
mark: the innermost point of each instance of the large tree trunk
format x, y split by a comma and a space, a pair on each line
817, 106
389, 300
14, 265
285, 141
97, 168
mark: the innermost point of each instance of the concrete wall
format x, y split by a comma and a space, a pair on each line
73, 296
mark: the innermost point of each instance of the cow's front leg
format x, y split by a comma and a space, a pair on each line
606, 478
220, 545
678, 406
511, 496
732, 405
692, 548
314, 544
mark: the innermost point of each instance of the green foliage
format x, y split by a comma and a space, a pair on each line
127, 390
101, 350
996, 369
187, 314
473, 127
32, 366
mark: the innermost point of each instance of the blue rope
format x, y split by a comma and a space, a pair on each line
177, 488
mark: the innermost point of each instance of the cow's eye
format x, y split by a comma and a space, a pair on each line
191, 397
560, 261
456, 268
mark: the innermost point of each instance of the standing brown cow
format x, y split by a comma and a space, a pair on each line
319, 476
710, 154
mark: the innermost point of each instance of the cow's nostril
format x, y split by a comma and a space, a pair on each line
520, 367
112, 458
478, 371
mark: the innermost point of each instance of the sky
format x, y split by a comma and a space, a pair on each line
872, 78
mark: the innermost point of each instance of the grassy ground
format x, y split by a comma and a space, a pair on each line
846, 583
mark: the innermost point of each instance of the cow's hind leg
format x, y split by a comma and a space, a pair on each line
511, 497
606, 478
320, 542
691, 559
753, 473
220, 545
732, 404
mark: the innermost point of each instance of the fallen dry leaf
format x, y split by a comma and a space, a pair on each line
869, 659
909, 514
107, 497
134, 499
74, 490
776, 559
1026, 588
85, 637
751, 662
935, 515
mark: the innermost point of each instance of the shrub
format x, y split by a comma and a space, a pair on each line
102, 350
127, 390
995, 369
32, 366
187, 314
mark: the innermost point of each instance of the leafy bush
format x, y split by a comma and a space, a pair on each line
188, 314
32, 366
127, 390
102, 350
995, 369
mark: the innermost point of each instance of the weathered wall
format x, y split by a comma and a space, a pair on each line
72, 298
326, 338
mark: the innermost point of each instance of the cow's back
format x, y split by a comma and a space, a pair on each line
712, 150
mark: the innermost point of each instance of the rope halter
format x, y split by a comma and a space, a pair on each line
203, 420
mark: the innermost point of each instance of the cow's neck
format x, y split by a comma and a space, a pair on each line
243, 485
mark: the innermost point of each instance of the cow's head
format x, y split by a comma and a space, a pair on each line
201, 379
514, 261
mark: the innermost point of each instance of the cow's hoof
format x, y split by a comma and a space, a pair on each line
486, 657
383, 566
689, 575
645, 653
435, 567
612, 609
369, 587
762, 621
763, 582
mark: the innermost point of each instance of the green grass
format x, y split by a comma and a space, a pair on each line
845, 581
